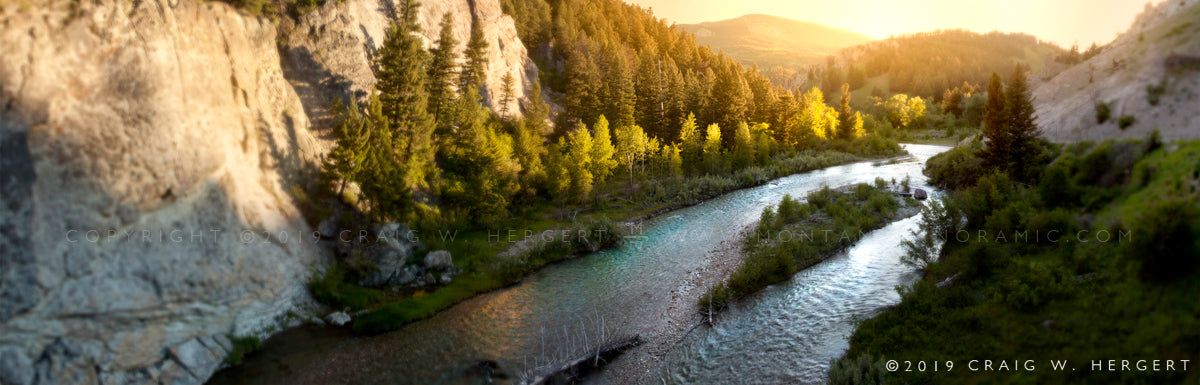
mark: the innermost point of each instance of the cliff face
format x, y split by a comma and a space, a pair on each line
149, 157
1159, 51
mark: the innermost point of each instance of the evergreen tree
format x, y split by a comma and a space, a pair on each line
473, 76
508, 82
651, 92
1022, 131
995, 125
401, 64
583, 85
602, 161
538, 114
621, 94
731, 97
529, 151
353, 133
441, 68
846, 122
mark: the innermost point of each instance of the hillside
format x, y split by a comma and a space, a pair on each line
928, 63
774, 41
1150, 76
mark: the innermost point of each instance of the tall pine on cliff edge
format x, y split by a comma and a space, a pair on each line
401, 69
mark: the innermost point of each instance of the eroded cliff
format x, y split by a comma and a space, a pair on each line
152, 156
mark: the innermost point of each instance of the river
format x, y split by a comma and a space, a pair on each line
784, 334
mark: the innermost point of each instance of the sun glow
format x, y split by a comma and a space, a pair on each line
1060, 21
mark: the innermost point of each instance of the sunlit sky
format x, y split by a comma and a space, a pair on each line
1060, 21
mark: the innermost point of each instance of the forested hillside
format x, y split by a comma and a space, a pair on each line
928, 64
641, 120
773, 41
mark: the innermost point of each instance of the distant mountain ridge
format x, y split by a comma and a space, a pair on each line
772, 40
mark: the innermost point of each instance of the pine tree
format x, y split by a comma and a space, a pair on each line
353, 133
602, 151
1022, 129
401, 72
995, 124
473, 76
846, 115
652, 89
508, 82
441, 73
731, 97
583, 85
529, 151
538, 115
620, 94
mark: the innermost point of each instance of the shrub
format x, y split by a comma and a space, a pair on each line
1125, 121
957, 168
1103, 112
1162, 239
860, 371
241, 347
1154, 92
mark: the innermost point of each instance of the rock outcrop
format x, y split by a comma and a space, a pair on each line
328, 52
150, 158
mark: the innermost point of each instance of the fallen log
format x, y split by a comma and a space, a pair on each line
578, 368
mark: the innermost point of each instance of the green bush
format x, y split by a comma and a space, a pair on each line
1103, 112
241, 347
957, 168
1162, 239
1154, 92
1125, 121
860, 371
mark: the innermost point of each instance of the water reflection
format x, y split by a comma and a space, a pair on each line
796, 325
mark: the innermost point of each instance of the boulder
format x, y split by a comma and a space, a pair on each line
337, 318
328, 228
439, 260
388, 255
920, 194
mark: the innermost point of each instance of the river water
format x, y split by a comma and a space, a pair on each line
785, 334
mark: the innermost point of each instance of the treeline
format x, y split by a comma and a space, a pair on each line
929, 64
424, 147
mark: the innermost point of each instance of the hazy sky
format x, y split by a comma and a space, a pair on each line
1060, 21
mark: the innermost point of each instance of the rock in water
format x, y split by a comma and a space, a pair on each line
439, 260
920, 194
337, 318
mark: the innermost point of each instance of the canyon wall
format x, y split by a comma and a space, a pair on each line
153, 159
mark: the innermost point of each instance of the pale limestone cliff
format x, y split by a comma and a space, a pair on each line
1122, 75
149, 152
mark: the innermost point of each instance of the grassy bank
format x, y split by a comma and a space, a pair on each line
490, 262
794, 236
1116, 280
